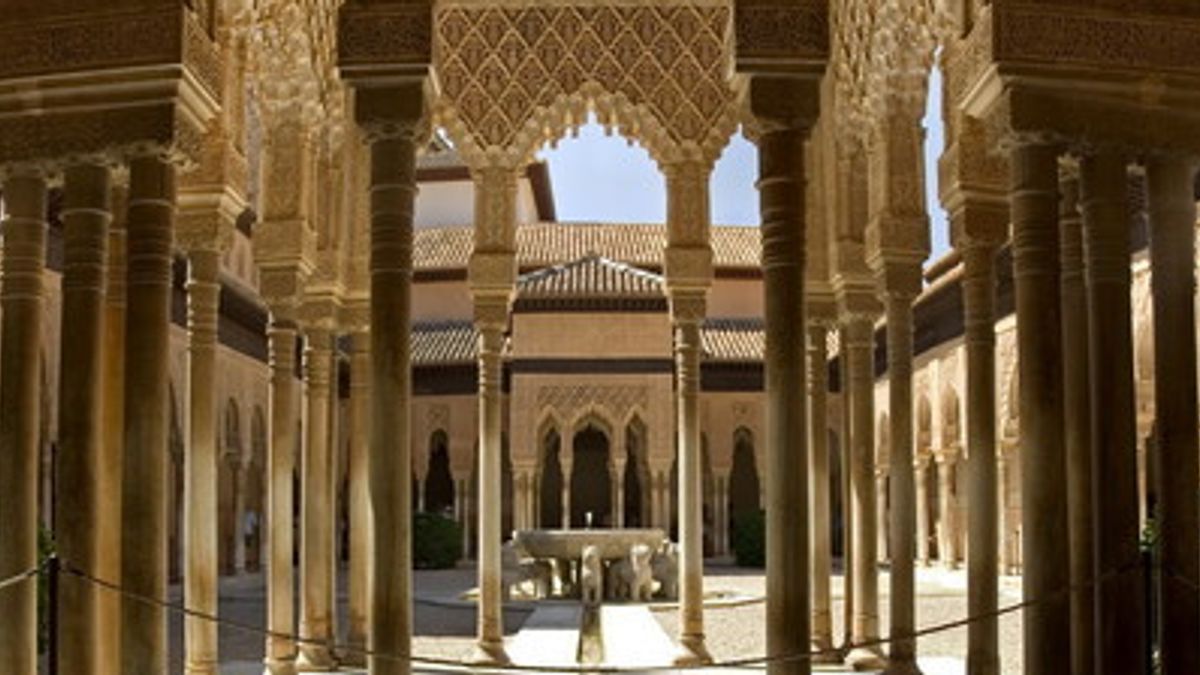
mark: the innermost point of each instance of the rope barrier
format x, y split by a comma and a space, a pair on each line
23, 576
451, 665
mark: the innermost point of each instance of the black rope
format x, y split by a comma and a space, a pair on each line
23, 576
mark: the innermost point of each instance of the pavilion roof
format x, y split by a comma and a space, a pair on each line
592, 276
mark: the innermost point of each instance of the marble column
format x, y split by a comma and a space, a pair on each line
360, 505
881, 513
920, 474
281, 612
1008, 527
860, 342
200, 461
1077, 432
821, 567
108, 471
462, 511
947, 509
847, 473
22, 296
691, 526
147, 393
900, 282
1034, 206
565, 464
491, 320
618, 494
983, 536
85, 215
393, 193
1172, 249
316, 508
1120, 641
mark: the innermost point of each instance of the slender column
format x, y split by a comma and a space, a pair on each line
393, 193
491, 321
978, 289
1120, 639
881, 513
1034, 205
920, 469
108, 470
360, 505
564, 463
1008, 544
1077, 432
316, 509
463, 514
847, 451
1172, 250
21, 299
859, 338
901, 282
85, 216
280, 651
947, 544
147, 392
691, 526
200, 462
618, 502
818, 468
419, 480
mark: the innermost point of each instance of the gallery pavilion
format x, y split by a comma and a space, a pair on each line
226, 309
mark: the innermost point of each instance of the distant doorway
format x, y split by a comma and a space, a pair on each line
591, 486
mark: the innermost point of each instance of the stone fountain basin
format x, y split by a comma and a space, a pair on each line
569, 544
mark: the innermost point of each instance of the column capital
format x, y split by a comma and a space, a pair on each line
688, 307
782, 103
689, 269
898, 274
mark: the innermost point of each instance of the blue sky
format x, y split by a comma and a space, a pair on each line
603, 178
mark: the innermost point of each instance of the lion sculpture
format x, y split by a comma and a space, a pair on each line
591, 576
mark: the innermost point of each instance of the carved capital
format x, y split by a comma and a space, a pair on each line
782, 103
688, 268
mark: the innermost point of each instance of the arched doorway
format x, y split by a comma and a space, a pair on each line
550, 513
590, 482
227, 490
636, 470
254, 490
743, 479
439, 482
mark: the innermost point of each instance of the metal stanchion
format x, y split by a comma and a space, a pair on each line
52, 580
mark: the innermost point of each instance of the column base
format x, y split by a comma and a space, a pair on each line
824, 653
488, 654
201, 668
355, 658
692, 652
315, 660
279, 667
902, 667
866, 658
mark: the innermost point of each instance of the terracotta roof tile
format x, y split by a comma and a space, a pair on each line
544, 244
592, 276
733, 339
443, 342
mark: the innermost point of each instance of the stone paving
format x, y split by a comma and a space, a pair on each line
445, 626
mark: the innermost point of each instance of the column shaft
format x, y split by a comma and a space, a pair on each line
1120, 638
691, 496
360, 505
860, 342
147, 394
316, 508
21, 299
920, 467
490, 640
85, 216
1077, 433
281, 612
902, 529
781, 185
393, 193
978, 289
818, 468
1172, 250
1034, 205
847, 473
108, 471
200, 462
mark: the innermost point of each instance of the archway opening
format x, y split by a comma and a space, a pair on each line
439, 481
635, 511
550, 513
591, 487
743, 480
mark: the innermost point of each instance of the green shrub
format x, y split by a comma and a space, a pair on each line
437, 541
749, 538
45, 550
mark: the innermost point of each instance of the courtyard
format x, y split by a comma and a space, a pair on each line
444, 623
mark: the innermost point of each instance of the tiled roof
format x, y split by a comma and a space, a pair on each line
592, 276
544, 244
733, 340
443, 342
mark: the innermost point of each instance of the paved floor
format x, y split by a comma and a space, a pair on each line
444, 625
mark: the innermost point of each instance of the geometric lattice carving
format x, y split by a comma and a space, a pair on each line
568, 401
515, 75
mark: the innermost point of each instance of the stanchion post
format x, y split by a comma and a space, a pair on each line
52, 570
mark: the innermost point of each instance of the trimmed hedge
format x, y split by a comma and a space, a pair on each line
750, 538
437, 542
